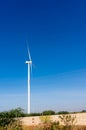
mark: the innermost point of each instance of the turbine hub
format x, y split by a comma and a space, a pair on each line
28, 62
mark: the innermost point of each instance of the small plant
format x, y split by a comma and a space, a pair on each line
16, 125
54, 126
68, 121
45, 119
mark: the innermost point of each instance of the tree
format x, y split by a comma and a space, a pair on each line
49, 112
18, 112
8, 120
83, 111
63, 112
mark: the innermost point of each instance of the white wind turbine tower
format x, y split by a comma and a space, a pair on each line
29, 63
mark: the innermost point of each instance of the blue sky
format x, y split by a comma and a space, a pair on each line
56, 33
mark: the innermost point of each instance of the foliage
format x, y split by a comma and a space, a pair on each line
9, 120
83, 111
57, 127
35, 114
16, 125
54, 126
63, 112
49, 112
13, 125
5, 119
68, 121
18, 112
45, 119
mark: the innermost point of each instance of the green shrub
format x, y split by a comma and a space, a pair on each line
54, 126
34, 114
49, 112
63, 112
83, 111
10, 121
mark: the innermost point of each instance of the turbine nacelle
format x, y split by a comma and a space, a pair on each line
28, 62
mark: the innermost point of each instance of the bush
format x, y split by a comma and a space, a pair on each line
63, 112
45, 119
16, 125
49, 112
8, 120
18, 112
54, 126
83, 111
34, 114
67, 121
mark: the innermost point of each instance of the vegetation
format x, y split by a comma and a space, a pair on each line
83, 111
10, 120
63, 112
54, 126
45, 119
49, 112
34, 114
67, 123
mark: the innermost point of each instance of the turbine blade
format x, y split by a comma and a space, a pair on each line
34, 66
29, 54
28, 51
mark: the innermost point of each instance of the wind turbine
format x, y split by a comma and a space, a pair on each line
29, 63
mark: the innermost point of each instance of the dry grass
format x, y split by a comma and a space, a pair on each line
47, 128
52, 123
80, 119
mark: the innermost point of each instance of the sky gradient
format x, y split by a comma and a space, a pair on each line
56, 33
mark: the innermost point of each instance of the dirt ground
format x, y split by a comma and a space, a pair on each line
35, 120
